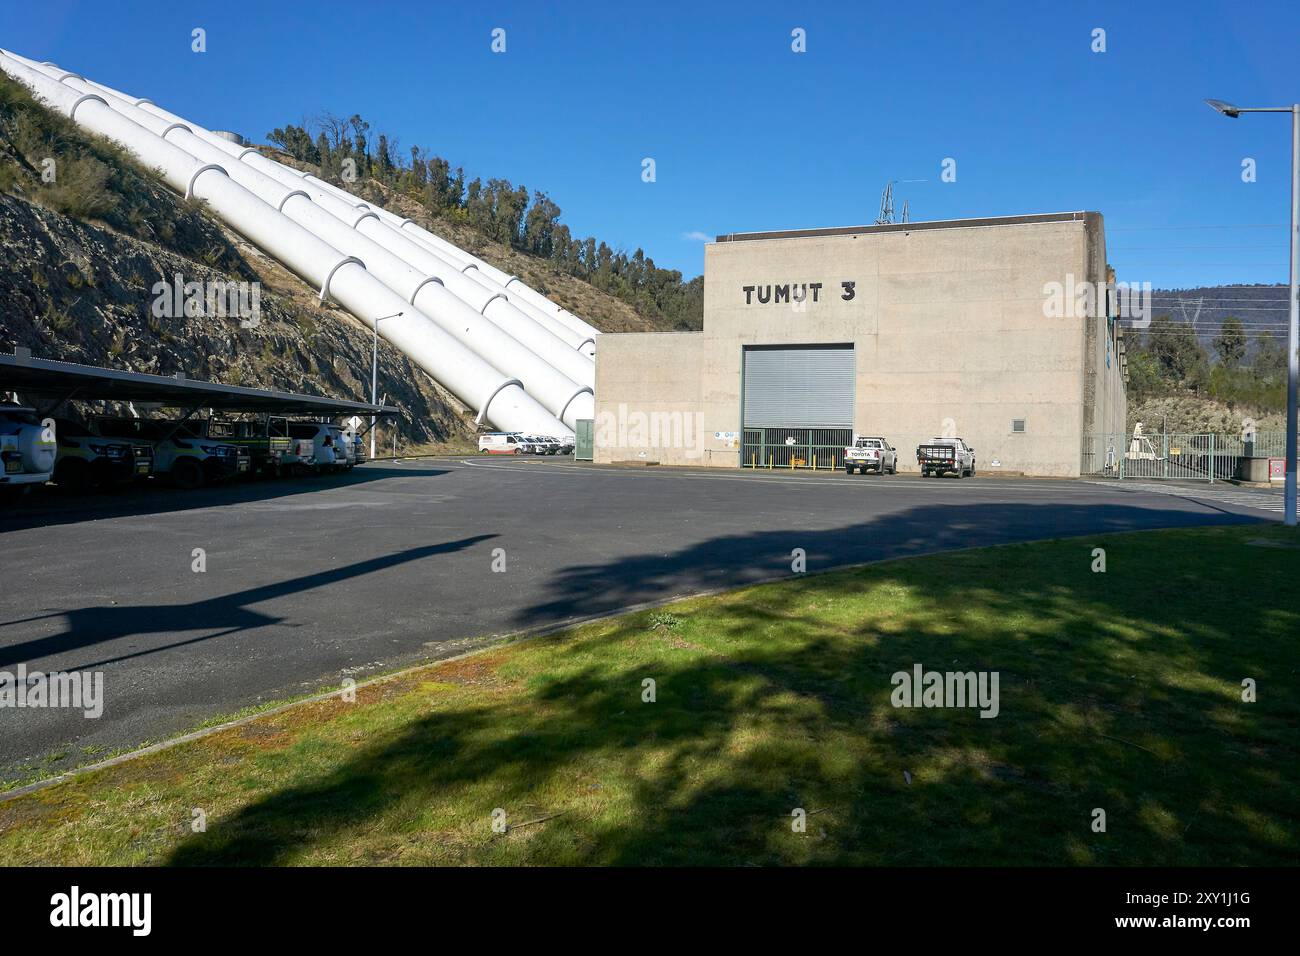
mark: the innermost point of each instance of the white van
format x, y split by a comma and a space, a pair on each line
501, 443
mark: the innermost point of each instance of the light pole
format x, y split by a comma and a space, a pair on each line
374, 377
1293, 338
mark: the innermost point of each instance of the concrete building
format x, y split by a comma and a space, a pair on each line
999, 331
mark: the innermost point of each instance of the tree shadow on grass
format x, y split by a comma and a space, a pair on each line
1118, 691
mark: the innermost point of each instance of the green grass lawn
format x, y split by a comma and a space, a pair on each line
1119, 691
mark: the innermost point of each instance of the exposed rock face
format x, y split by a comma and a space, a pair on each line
83, 292
93, 245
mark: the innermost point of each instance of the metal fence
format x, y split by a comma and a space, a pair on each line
1195, 457
819, 448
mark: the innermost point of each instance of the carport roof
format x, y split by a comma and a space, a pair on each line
48, 379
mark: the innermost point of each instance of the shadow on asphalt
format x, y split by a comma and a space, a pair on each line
585, 590
48, 506
231, 613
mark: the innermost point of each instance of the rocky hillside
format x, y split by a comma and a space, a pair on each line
1198, 415
86, 247
83, 292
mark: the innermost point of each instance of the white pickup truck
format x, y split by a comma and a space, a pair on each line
870, 454
940, 455
27, 448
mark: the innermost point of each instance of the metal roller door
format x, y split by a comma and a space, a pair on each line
797, 405
799, 387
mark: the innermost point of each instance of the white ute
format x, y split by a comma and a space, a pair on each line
942, 455
27, 448
870, 454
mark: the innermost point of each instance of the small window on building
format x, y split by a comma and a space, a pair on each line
1017, 424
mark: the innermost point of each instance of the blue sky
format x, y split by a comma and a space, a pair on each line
748, 135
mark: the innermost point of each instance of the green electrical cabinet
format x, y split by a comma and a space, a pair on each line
585, 435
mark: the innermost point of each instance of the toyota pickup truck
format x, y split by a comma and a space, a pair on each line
181, 452
941, 455
87, 460
870, 454
27, 449
267, 441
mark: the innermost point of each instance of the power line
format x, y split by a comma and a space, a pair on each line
1184, 262
1254, 322
1224, 298
1235, 310
1257, 322
1194, 331
1241, 245
1250, 225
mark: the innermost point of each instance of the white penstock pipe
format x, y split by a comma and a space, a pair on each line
543, 334
557, 346
452, 260
547, 314
497, 397
490, 275
466, 265
566, 399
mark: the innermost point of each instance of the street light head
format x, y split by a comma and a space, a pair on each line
1227, 109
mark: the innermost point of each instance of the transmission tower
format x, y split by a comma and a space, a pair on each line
886, 205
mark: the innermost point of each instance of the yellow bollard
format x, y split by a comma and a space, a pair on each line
814, 462
769, 462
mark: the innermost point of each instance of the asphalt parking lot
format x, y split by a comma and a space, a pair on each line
309, 581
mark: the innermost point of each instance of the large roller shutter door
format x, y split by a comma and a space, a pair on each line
799, 387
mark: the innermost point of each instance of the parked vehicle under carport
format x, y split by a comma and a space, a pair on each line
89, 461
27, 449
181, 453
327, 443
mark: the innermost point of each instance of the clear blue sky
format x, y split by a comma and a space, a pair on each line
748, 135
